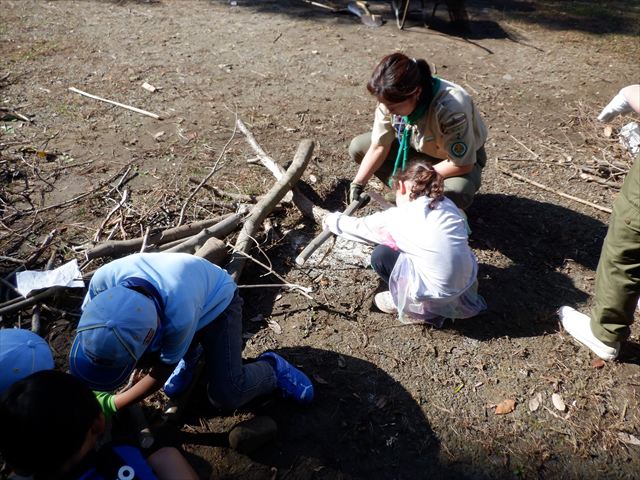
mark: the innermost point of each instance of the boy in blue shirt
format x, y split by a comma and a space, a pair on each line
172, 307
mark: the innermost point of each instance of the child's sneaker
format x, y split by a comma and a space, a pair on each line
578, 325
384, 302
293, 383
182, 375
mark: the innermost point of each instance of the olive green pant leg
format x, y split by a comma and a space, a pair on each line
618, 273
460, 190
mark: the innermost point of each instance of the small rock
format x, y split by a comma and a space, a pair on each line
248, 436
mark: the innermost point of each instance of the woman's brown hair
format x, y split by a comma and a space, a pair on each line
426, 182
398, 77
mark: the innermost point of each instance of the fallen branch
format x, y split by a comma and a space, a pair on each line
117, 104
219, 230
266, 205
306, 206
119, 247
592, 178
544, 187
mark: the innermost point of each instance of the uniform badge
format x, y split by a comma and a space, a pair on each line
458, 149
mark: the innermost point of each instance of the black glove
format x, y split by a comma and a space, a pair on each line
355, 190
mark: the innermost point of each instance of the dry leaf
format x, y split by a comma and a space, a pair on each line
558, 402
535, 401
608, 130
505, 406
628, 439
598, 363
275, 326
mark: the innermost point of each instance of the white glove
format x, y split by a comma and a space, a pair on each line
617, 106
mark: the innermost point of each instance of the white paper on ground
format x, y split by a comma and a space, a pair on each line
67, 275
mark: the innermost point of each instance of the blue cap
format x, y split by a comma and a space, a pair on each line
22, 353
115, 329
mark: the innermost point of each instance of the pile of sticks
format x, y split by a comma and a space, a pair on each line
209, 238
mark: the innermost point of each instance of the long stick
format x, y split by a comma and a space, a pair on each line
116, 247
326, 233
117, 104
219, 230
266, 205
306, 206
544, 187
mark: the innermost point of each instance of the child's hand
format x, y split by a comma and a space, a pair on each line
107, 403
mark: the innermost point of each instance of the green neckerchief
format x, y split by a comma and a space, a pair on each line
409, 120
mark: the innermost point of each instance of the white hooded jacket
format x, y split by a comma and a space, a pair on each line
435, 275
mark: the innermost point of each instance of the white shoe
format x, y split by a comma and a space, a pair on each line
384, 302
578, 325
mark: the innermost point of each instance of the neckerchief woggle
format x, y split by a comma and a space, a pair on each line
409, 121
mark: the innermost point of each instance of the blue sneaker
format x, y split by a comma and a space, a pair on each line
293, 383
182, 375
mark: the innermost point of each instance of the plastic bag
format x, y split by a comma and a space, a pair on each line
630, 138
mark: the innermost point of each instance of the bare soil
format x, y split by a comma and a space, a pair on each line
393, 401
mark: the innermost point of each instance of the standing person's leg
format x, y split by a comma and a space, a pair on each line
618, 273
617, 277
232, 383
383, 259
462, 189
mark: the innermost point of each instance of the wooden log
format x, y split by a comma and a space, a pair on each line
116, 248
219, 230
266, 205
306, 206
214, 250
326, 233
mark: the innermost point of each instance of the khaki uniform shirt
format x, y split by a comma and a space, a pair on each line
450, 129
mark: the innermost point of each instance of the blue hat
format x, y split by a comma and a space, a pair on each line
115, 329
22, 353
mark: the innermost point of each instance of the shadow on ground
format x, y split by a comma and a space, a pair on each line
539, 241
363, 423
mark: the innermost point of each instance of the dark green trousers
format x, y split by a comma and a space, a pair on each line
460, 190
618, 274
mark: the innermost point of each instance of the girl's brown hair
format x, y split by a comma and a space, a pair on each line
398, 77
426, 182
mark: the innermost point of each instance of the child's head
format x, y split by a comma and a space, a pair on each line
22, 353
50, 420
419, 179
115, 329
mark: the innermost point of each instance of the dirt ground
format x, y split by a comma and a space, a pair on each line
392, 401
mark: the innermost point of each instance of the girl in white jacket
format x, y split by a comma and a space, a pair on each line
423, 252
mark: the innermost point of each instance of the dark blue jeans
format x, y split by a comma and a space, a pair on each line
383, 259
232, 383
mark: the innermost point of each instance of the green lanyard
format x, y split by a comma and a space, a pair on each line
410, 120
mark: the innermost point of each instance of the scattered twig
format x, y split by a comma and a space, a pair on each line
122, 201
66, 203
562, 194
206, 179
117, 104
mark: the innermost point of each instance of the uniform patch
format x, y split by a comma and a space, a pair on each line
458, 149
